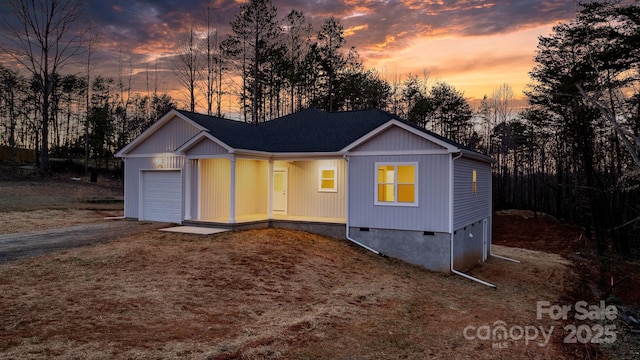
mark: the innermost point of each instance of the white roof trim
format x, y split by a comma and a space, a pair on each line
259, 153
398, 152
153, 128
288, 155
306, 155
373, 133
199, 137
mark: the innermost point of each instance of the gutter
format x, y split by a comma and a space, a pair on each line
454, 271
346, 158
475, 155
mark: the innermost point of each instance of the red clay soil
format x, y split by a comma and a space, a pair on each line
524, 229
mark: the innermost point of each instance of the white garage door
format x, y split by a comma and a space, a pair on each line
161, 196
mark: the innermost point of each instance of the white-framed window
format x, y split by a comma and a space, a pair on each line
328, 179
396, 184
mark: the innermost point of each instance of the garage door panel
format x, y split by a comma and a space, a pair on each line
161, 196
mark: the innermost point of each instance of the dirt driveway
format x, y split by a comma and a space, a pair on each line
33, 243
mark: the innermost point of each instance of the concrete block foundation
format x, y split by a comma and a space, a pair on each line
427, 249
468, 243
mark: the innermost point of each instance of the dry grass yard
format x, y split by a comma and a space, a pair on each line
262, 294
23, 221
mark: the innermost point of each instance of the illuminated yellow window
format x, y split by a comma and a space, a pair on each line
328, 179
396, 184
474, 186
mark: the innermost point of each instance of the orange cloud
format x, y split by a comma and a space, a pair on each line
353, 29
474, 65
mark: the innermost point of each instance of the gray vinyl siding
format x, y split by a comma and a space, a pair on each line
432, 212
467, 206
167, 138
132, 169
304, 199
206, 147
396, 138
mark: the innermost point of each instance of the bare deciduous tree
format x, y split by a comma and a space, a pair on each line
188, 65
502, 103
39, 35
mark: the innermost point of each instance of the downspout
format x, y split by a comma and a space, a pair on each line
454, 271
346, 158
501, 257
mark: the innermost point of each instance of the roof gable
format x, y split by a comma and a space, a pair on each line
165, 135
395, 136
204, 144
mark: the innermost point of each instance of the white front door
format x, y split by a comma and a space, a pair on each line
280, 191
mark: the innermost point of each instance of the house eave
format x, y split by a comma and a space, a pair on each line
287, 155
477, 156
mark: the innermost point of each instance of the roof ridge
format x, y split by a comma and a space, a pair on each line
300, 131
187, 113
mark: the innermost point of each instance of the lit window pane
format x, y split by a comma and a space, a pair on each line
386, 174
327, 181
474, 186
406, 193
406, 174
328, 184
382, 174
397, 184
385, 193
327, 174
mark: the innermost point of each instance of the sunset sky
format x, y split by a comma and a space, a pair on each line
474, 45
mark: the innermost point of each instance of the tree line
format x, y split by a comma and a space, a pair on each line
572, 152
78, 109
271, 66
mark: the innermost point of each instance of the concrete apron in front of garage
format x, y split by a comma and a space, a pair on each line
194, 230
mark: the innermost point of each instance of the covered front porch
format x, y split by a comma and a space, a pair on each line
251, 218
248, 192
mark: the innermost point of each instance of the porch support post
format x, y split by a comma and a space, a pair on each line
187, 196
270, 191
198, 191
232, 192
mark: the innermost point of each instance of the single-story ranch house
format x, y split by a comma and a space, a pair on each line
367, 176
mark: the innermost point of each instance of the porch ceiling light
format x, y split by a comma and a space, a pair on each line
159, 162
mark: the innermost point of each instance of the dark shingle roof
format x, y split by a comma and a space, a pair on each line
313, 130
310, 130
